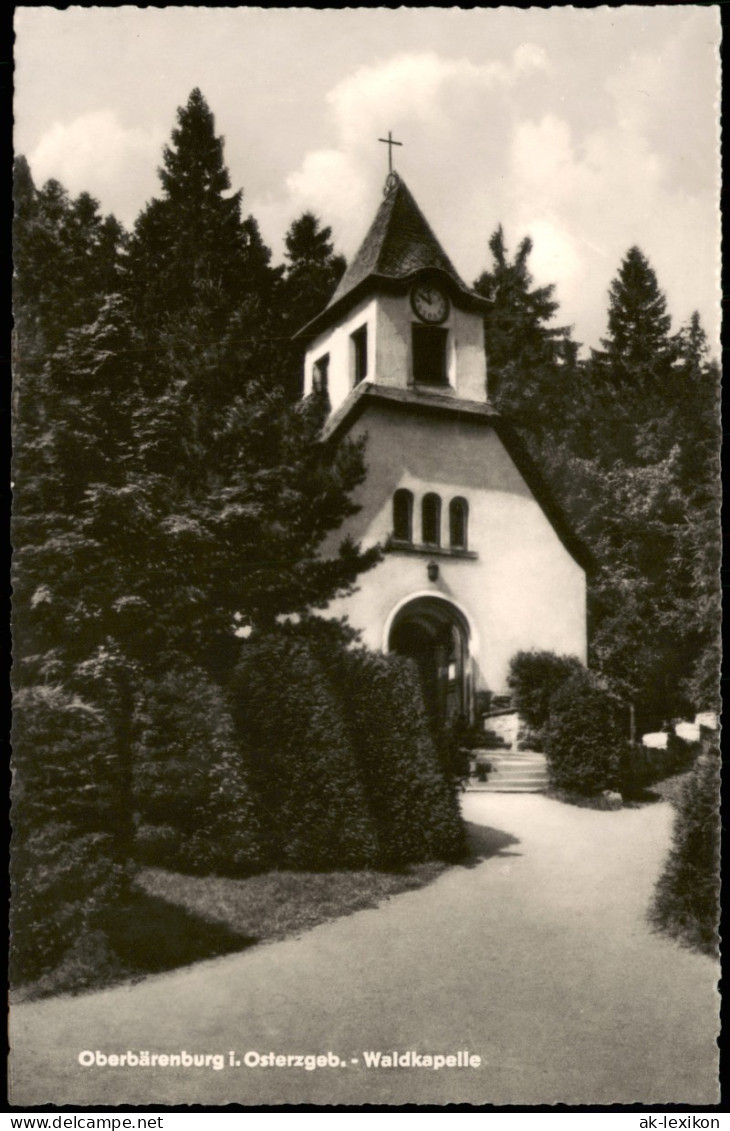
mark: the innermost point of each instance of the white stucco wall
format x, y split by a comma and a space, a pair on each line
465, 350
336, 342
389, 319
524, 589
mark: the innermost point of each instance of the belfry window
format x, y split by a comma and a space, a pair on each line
429, 355
458, 524
359, 353
403, 516
431, 520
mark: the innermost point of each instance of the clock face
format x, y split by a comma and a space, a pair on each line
429, 302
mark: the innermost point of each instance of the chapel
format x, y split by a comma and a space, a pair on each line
478, 561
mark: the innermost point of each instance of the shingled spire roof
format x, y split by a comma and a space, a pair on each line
400, 242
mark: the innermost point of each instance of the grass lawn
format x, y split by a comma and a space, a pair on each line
277, 904
172, 920
667, 789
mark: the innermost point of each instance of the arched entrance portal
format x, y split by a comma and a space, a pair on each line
435, 634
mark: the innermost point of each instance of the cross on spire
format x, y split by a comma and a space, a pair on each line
390, 143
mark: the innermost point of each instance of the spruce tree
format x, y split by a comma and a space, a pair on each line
169, 493
632, 379
698, 426
249, 494
188, 245
312, 270
638, 323
650, 444
66, 258
530, 362
71, 835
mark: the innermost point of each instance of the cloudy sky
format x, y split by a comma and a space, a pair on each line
589, 129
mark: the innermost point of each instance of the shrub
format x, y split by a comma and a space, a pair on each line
65, 866
681, 753
643, 766
64, 882
303, 769
191, 794
583, 738
411, 794
533, 679
686, 901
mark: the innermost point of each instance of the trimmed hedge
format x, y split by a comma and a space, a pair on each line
409, 794
194, 806
303, 768
341, 756
65, 869
584, 743
687, 897
533, 679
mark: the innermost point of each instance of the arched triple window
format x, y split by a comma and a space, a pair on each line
403, 506
403, 515
431, 520
459, 524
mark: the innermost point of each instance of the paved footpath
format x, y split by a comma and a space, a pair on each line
538, 960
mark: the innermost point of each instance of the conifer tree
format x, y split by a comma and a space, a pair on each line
649, 443
529, 362
249, 495
165, 491
697, 423
66, 258
638, 323
312, 270
169, 487
71, 836
632, 380
201, 287
189, 245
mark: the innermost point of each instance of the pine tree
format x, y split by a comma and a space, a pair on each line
201, 287
629, 442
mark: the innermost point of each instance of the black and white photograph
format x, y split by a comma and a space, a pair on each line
366, 557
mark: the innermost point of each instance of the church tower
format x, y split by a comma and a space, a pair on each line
401, 317
478, 562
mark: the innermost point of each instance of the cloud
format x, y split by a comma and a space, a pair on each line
477, 152
434, 105
95, 153
586, 203
586, 153
498, 141
420, 88
328, 183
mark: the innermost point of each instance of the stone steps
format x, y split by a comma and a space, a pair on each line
514, 771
